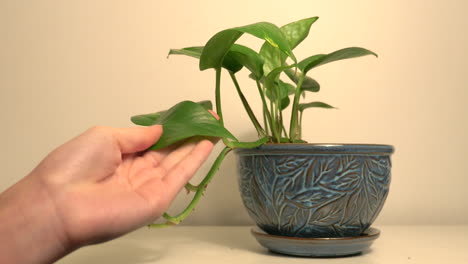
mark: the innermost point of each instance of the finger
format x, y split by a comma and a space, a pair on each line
183, 171
178, 154
135, 139
214, 114
157, 156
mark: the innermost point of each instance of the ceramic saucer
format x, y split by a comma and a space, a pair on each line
316, 247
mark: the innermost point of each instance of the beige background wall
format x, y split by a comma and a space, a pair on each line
68, 65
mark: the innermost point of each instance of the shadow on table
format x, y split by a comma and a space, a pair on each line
123, 253
244, 240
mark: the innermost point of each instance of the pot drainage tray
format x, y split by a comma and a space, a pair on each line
316, 247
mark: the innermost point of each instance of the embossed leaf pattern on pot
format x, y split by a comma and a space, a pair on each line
314, 196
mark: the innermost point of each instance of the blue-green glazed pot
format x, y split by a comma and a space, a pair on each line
313, 190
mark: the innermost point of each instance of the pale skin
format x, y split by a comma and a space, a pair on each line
96, 187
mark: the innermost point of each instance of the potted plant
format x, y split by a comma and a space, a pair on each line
307, 199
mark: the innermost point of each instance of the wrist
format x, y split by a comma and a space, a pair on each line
29, 223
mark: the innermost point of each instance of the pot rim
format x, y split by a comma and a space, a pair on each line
320, 148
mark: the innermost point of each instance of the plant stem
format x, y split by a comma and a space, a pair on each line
190, 187
293, 129
279, 116
234, 145
218, 96
249, 111
273, 118
265, 120
282, 125
174, 220
265, 108
300, 124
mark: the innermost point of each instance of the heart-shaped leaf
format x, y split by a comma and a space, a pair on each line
188, 119
294, 33
218, 46
247, 58
150, 119
320, 59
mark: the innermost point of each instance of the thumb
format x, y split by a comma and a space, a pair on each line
135, 139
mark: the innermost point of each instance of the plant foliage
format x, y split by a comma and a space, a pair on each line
280, 84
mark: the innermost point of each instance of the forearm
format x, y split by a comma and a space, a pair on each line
29, 229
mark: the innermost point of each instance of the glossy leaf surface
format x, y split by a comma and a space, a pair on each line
150, 119
247, 58
188, 119
219, 45
294, 33
297, 31
320, 59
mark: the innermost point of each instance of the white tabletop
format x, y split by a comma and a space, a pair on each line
235, 244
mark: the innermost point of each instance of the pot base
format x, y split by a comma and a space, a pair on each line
316, 247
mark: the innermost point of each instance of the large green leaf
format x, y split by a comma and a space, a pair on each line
151, 118
230, 62
302, 107
248, 58
218, 46
188, 119
320, 59
294, 33
237, 57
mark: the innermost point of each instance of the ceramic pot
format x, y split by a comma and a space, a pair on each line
312, 190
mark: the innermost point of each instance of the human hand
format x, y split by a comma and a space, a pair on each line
99, 185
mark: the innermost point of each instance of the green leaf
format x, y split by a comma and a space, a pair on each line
188, 119
230, 63
297, 31
282, 91
308, 84
294, 33
320, 59
194, 52
150, 119
302, 107
275, 88
272, 58
272, 78
146, 119
248, 58
287, 89
287, 86
207, 104
218, 46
